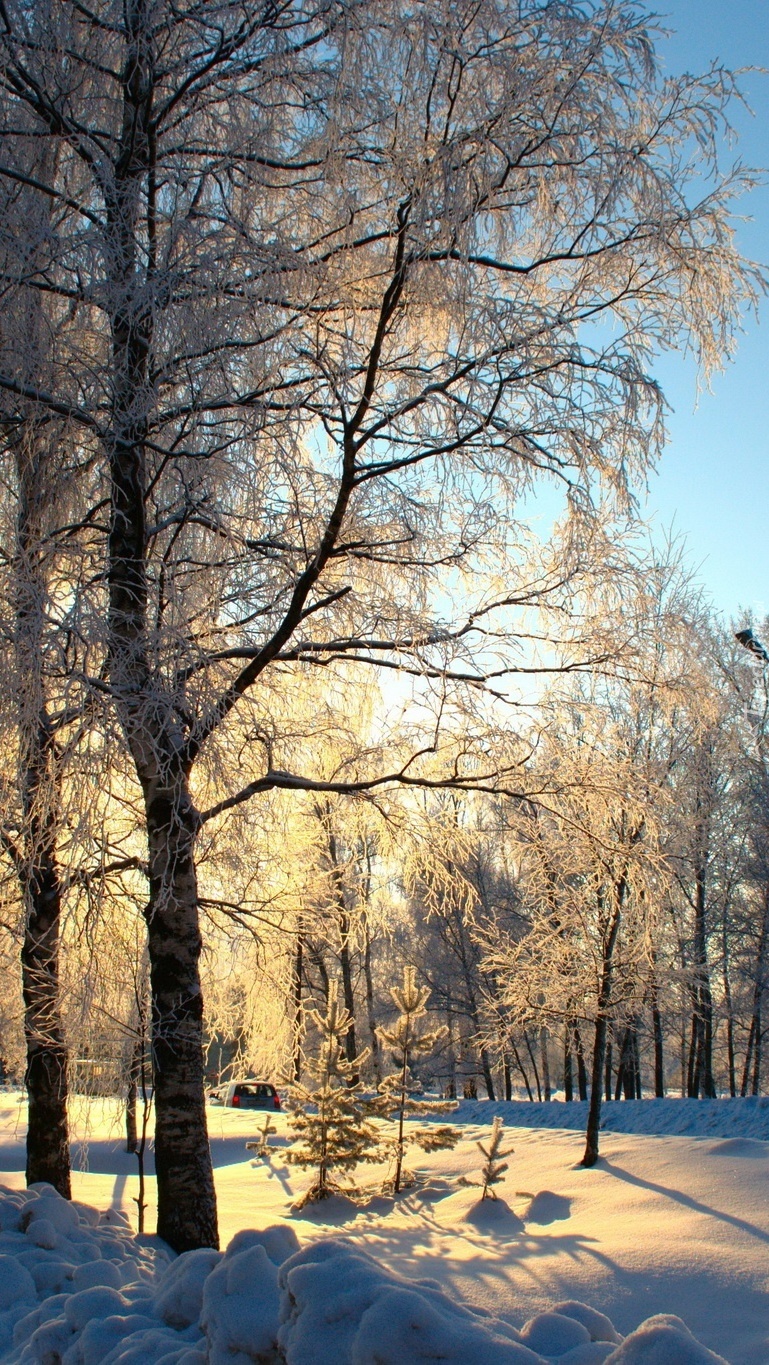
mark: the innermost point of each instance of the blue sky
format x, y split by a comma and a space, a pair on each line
712, 484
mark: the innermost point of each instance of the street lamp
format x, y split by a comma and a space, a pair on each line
750, 642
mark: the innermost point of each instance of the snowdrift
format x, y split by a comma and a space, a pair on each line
746, 1118
77, 1289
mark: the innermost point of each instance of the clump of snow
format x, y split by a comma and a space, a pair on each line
180, 1295
102, 1297
279, 1242
663, 1340
64, 1267
240, 1309
554, 1334
598, 1326
16, 1284
340, 1306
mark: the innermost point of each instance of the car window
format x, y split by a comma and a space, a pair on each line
254, 1090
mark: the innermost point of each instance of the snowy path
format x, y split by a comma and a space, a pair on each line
676, 1224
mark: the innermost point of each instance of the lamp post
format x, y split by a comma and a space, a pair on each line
751, 642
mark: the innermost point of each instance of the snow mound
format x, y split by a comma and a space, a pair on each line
240, 1308
334, 1210
740, 1146
599, 1328
431, 1191
65, 1272
180, 1296
340, 1307
103, 1297
493, 1216
554, 1334
663, 1340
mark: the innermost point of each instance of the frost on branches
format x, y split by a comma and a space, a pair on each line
331, 1119
409, 1038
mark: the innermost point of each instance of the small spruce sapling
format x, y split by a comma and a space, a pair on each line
262, 1147
409, 1038
331, 1119
494, 1166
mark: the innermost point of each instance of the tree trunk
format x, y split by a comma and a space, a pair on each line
748, 1058
692, 1067
637, 1065
522, 1069
132, 1092
186, 1198
451, 1088
36, 862
376, 1060
729, 1008
754, 1039
298, 972
151, 721
621, 1069
543, 1044
596, 1082
601, 1025
608, 1064
46, 1070
507, 1077
700, 1067
488, 1079
568, 1081
628, 1071
659, 1056
533, 1061
350, 1045
345, 960
581, 1068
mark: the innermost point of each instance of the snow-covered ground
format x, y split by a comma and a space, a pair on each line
663, 1225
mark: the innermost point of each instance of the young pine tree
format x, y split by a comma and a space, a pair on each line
409, 1038
262, 1146
331, 1120
494, 1166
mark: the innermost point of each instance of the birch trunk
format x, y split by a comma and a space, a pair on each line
37, 865
186, 1198
46, 1069
590, 1156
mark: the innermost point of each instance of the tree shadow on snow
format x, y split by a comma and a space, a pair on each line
686, 1200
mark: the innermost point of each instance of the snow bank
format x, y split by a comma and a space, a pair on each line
746, 1118
77, 1289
